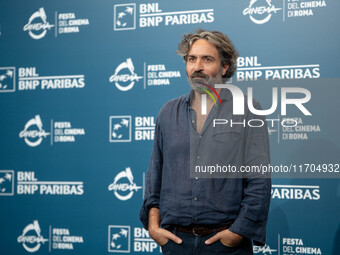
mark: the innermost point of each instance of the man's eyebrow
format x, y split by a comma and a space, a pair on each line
202, 56
208, 56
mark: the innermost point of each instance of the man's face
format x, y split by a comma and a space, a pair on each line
204, 65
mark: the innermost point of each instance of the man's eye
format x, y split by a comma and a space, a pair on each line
208, 60
191, 59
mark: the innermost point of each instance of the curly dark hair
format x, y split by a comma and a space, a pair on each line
226, 50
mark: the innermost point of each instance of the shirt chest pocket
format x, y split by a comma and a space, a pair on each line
226, 136
227, 145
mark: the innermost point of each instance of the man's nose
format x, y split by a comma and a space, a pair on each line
198, 65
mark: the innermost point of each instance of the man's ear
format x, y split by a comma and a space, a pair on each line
225, 69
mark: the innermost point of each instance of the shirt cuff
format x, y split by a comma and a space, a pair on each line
255, 231
144, 213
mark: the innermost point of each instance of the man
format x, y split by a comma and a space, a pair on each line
206, 215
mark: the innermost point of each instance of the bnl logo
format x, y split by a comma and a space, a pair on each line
120, 128
119, 239
7, 79
124, 16
6, 182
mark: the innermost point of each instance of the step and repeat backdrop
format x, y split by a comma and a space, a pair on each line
81, 84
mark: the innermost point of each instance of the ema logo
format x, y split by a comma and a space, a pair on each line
120, 129
119, 238
6, 182
263, 249
125, 81
124, 190
124, 17
61, 132
33, 137
125, 76
31, 237
260, 11
7, 79
38, 30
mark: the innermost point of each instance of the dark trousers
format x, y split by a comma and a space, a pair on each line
194, 245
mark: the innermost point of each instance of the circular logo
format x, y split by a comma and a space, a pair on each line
260, 13
124, 191
33, 137
125, 78
38, 30
31, 238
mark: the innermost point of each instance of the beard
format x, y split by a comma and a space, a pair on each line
198, 79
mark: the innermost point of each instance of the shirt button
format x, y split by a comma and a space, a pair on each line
200, 136
198, 156
193, 121
196, 178
195, 198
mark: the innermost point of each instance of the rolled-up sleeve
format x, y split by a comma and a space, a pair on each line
252, 218
153, 177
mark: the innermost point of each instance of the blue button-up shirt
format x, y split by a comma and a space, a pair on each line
186, 199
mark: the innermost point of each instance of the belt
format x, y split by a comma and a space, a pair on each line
198, 230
